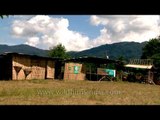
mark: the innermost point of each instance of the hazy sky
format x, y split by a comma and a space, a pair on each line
77, 32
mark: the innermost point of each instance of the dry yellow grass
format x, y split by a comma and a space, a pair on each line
54, 92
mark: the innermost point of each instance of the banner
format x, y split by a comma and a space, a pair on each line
103, 71
76, 69
111, 72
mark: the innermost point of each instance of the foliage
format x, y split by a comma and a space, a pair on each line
128, 50
120, 64
2, 16
151, 48
90, 66
26, 49
111, 66
58, 51
156, 58
152, 51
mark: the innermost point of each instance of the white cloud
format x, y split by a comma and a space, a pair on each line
44, 31
18, 30
33, 41
95, 20
104, 38
137, 28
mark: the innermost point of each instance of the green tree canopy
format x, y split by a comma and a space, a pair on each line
121, 63
152, 51
58, 51
2, 16
151, 48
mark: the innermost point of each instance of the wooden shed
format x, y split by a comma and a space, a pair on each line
17, 66
73, 71
142, 69
85, 68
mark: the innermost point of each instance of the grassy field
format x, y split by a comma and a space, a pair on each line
54, 92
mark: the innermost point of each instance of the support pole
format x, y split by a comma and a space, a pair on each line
90, 72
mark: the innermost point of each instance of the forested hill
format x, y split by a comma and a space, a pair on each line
26, 49
126, 49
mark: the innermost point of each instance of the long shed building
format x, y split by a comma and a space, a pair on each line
17, 66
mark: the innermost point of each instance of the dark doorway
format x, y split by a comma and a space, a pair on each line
5, 67
59, 70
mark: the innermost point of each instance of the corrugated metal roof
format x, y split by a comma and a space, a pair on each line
139, 66
36, 56
91, 60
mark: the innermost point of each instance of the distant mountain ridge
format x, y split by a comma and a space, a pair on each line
26, 49
126, 49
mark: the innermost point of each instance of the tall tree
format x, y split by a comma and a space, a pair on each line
2, 16
151, 48
121, 63
152, 51
58, 51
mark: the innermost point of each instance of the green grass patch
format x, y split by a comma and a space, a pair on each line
54, 92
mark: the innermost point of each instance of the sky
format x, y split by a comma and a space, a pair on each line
77, 32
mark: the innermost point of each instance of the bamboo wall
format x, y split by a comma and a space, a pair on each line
22, 63
69, 72
50, 69
32, 68
38, 68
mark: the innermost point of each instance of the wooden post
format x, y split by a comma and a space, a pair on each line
46, 63
150, 77
90, 72
97, 73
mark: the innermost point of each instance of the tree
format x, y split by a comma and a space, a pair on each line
152, 51
151, 48
156, 58
2, 16
120, 64
58, 51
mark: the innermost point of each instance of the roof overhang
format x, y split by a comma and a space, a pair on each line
139, 66
30, 55
91, 60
